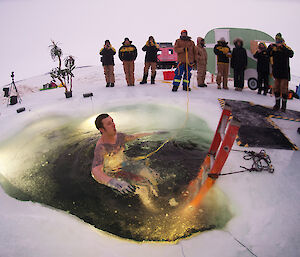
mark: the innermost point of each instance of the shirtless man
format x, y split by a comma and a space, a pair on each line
112, 168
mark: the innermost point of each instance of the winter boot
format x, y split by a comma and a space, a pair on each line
175, 88
144, 81
107, 84
112, 84
284, 101
186, 88
277, 102
153, 78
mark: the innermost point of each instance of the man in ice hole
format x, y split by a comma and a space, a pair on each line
111, 167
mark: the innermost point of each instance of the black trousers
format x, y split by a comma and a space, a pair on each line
263, 78
238, 76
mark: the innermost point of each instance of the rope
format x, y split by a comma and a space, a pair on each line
261, 162
143, 157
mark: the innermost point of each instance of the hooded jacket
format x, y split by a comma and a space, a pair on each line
127, 52
221, 50
263, 61
107, 56
239, 58
201, 54
185, 42
281, 55
151, 50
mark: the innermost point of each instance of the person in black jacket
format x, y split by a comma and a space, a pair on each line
263, 68
151, 49
223, 53
239, 63
280, 53
128, 54
107, 59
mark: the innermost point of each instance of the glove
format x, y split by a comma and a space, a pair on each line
122, 186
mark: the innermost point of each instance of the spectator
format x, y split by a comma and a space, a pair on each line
107, 60
223, 53
128, 54
185, 49
201, 58
239, 63
280, 53
151, 49
263, 68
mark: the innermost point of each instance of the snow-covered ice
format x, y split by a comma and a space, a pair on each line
266, 206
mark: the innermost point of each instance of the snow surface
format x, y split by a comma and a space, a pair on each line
266, 206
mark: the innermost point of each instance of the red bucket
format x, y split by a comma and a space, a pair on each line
169, 75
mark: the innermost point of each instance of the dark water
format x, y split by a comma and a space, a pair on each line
50, 162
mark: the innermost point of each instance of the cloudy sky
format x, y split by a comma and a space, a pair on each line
80, 27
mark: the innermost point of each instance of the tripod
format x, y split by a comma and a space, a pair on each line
13, 99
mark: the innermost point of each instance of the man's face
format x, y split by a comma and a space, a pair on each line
109, 126
127, 42
184, 34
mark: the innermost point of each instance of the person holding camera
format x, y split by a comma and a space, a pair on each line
263, 68
223, 53
280, 53
151, 48
128, 54
107, 59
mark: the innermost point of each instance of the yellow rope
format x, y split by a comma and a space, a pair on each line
185, 122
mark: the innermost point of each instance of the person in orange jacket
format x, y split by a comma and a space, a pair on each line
201, 59
185, 49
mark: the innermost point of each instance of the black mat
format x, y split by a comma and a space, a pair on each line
257, 129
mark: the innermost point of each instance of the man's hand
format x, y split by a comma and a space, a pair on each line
122, 186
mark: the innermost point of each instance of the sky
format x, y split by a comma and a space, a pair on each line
81, 27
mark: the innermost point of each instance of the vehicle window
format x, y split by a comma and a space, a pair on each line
171, 51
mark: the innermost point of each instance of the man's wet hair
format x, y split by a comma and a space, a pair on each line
98, 121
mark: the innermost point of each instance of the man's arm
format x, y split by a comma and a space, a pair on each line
99, 175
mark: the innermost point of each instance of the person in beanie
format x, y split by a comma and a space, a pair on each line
185, 49
201, 59
128, 54
239, 63
223, 53
280, 53
263, 68
151, 49
107, 59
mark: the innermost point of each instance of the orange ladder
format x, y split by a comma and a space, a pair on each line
214, 161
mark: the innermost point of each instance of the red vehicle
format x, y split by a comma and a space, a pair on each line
166, 56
